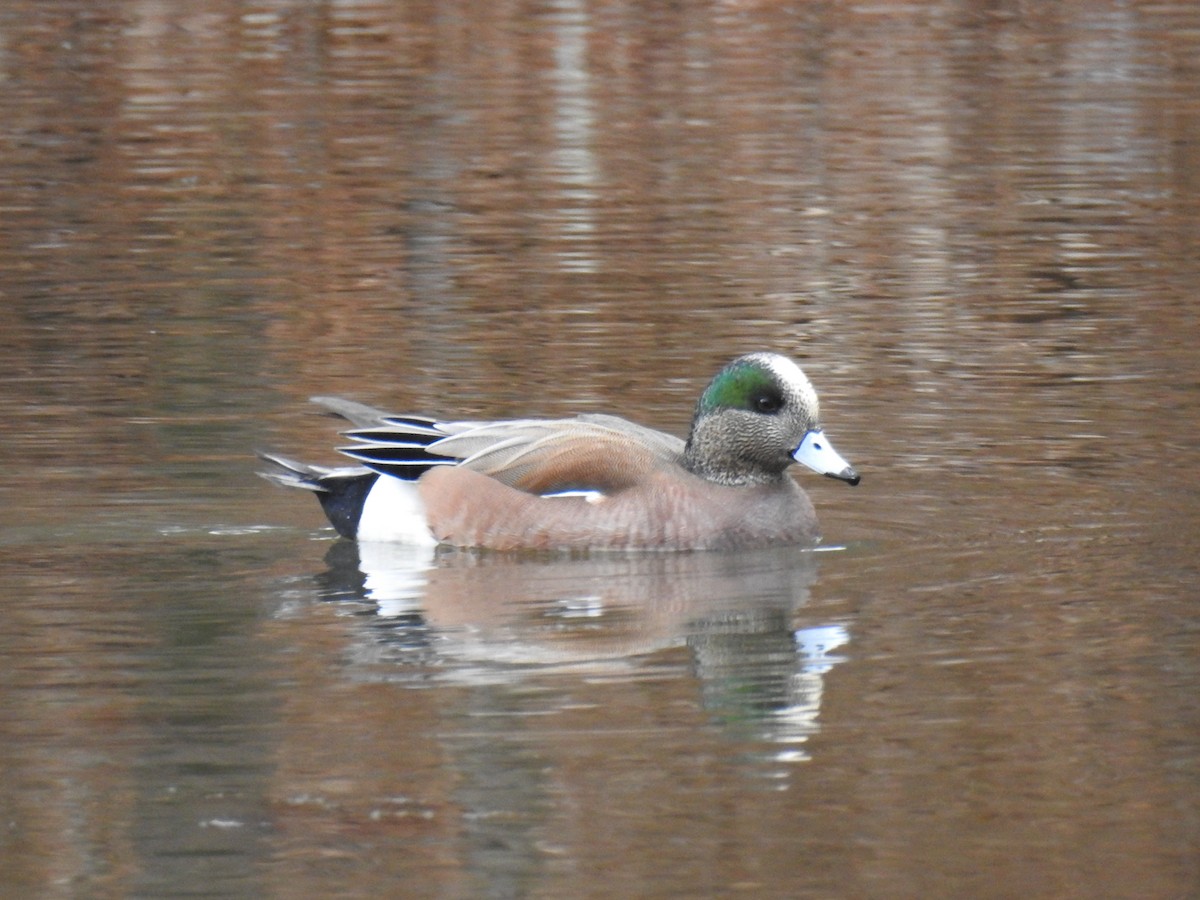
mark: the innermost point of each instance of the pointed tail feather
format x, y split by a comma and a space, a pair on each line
342, 492
295, 474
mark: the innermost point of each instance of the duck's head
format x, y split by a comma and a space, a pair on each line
757, 416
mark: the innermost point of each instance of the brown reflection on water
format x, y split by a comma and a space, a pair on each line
59, 807
977, 226
528, 679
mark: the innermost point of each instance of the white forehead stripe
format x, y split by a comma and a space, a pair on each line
792, 377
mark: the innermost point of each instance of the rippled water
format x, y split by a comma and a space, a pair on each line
976, 225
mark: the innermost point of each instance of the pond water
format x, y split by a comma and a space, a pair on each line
977, 227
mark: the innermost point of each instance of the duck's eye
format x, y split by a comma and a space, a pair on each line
768, 403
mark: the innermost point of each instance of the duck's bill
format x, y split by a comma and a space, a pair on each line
818, 454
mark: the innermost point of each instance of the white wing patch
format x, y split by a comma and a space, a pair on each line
589, 496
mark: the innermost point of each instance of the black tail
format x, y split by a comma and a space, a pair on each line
342, 492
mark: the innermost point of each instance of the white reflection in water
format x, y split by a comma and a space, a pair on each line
394, 576
463, 618
796, 721
573, 159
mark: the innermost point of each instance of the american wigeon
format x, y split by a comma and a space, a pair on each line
588, 482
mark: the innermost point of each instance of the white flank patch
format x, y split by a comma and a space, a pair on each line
393, 511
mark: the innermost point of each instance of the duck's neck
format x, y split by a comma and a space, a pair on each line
714, 463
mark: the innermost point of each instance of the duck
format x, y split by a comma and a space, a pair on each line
586, 482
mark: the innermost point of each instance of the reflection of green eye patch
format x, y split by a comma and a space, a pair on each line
742, 387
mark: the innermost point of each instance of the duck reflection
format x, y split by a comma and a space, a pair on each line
476, 618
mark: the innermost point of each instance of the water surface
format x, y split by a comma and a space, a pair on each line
975, 225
